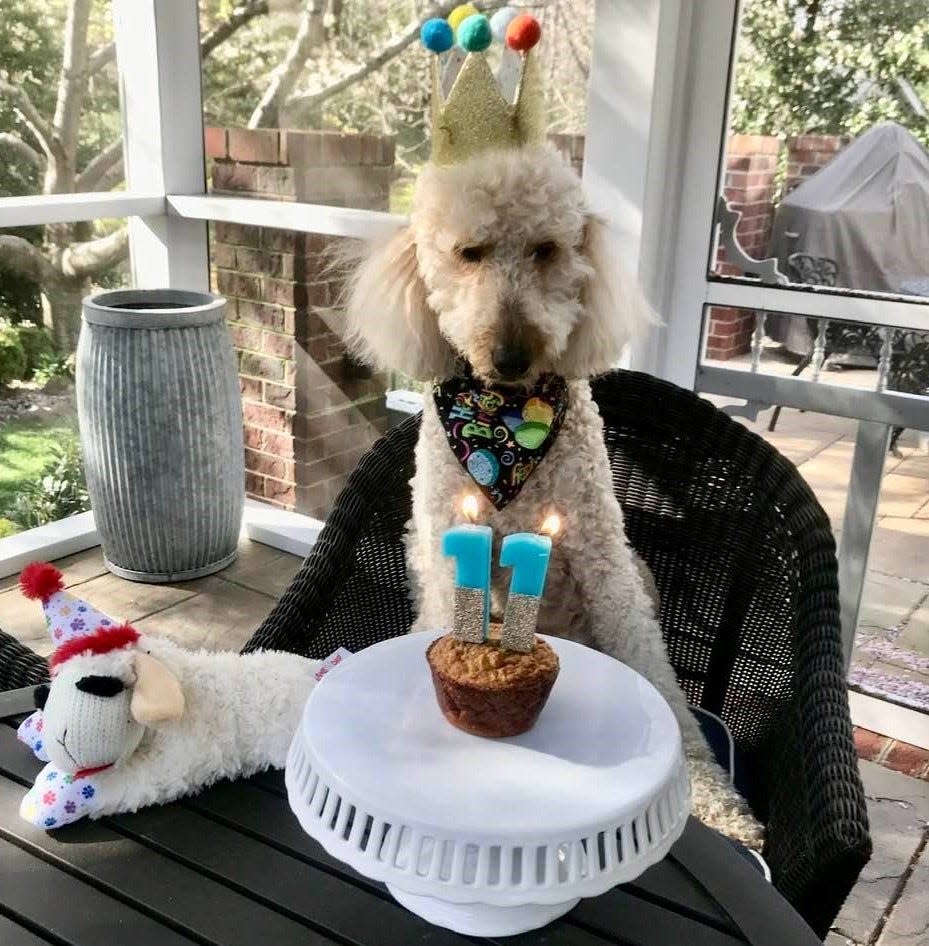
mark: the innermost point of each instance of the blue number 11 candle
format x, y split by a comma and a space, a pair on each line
528, 555
471, 546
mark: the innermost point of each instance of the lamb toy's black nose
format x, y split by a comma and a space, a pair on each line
100, 685
40, 695
512, 363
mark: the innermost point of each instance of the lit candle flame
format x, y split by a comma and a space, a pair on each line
469, 507
552, 525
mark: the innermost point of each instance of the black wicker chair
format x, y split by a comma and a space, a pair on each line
745, 563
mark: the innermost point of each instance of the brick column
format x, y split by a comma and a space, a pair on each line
310, 411
751, 168
806, 154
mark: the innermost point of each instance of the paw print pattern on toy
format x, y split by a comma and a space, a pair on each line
58, 798
30, 732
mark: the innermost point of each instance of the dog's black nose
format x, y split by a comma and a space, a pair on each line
40, 696
100, 685
511, 363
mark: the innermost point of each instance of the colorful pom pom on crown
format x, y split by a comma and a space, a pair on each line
523, 33
461, 13
501, 20
474, 33
437, 36
40, 580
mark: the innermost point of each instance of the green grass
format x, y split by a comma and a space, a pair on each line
25, 449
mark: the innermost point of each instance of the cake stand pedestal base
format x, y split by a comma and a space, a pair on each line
482, 919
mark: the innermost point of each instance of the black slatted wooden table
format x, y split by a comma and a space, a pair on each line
233, 867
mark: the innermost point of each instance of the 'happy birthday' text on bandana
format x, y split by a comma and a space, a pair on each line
500, 436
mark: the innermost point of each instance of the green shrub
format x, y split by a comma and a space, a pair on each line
54, 373
7, 527
37, 344
12, 354
60, 490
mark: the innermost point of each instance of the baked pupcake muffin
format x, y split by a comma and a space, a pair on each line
487, 690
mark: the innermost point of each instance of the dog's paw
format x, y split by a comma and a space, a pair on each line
717, 804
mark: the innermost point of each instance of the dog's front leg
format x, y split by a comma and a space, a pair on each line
622, 623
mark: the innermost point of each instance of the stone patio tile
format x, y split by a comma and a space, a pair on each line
221, 616
798, 448
898, 809
262, 568
887, 600
833, 939
902, 495
828, 474
901, 547
914, 464
915, 635
908, 923
923, 512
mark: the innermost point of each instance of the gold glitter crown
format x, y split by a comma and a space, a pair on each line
472, 109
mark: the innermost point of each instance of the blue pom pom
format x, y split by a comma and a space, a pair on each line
474, 33
436, 35
500, 21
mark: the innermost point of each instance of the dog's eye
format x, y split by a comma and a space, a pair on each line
473, 254
543, 252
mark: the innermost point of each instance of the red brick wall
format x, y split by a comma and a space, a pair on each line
749, 186
310, 412
806, 154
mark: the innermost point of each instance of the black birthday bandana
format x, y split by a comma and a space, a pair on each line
500, 436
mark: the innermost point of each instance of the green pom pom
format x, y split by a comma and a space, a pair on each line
475, 34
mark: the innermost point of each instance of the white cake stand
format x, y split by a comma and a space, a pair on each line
488, 837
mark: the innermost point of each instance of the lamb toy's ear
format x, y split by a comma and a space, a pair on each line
157, 696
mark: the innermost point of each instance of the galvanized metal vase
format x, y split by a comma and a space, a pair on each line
160, 418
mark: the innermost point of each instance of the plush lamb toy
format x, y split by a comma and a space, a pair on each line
131, 720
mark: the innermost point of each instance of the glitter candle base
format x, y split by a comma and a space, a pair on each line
519, 622
470, 610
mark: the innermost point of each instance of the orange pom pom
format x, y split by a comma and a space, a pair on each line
523, 33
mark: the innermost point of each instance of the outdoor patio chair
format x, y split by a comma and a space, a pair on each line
745, 564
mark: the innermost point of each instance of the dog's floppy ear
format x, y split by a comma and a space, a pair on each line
615, 310
388, 320
157, 696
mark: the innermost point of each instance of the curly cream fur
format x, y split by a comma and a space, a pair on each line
581, 311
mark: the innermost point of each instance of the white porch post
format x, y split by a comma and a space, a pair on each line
632, 139
158, 56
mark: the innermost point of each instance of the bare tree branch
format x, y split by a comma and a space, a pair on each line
72, 85
21, 257
94, 256
89, 179
16, 146
99, 58
310, 33
43, 132
389, 51
238, 18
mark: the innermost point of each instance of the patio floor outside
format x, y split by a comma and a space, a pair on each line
891, 656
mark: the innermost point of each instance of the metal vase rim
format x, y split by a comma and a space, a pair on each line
153, 308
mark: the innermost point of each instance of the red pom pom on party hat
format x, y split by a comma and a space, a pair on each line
40, 580
523, 33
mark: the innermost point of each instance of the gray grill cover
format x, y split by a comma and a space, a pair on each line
868, 210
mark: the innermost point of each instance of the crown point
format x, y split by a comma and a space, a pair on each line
460, 13
501, 20
437, 36
474, 33
523, 33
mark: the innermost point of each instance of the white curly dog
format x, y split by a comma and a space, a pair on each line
502, 264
